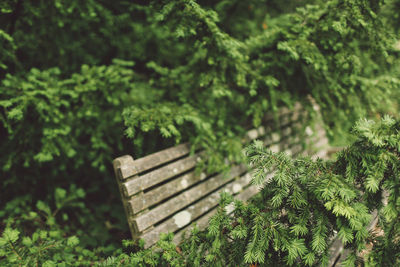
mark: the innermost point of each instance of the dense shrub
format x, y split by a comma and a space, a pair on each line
86, 81
291, 222
300, 209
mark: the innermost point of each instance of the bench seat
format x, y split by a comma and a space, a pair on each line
163, 192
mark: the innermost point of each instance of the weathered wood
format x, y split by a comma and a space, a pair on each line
248, 193
335, 251
123, 167
318, 145
194, 211
321, 143
141, 202
130, 167
285, 120
243, 196
117, 163
181, 219
202, 222
271, 134
255, 133
294, 150
163, 210
162, 192
276, 140
283, 111
159, 175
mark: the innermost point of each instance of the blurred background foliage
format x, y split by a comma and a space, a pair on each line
85, 81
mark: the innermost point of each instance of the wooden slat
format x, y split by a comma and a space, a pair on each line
321, 143
314, 135
255, 133
181, 219
186, 216
248, 193
155, 215
147, 180
117, 163
318, 145
334, 251
285, 116
322, 154
269, 135
298, 113
144, 224
141, 202
293, 150
275, 137
202, 222
285, 120
131, 167
287, 131
162, 157
283, 111
123, 167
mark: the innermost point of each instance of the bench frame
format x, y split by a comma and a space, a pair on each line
163, 192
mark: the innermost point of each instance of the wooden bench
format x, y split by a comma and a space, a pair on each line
162, 192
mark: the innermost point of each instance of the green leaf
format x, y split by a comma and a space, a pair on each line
318, 242
10, 235
27, 241
40, 205
295, 249
15, 114
346, 235
309, 258
72, 241
60, 195
2, 251
49, 263
372, 184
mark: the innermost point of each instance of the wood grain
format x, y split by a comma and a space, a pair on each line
194, 197
161, 157
159, 175
123, 166
202, 222
130, 167
167, 208
197, 209
141, 202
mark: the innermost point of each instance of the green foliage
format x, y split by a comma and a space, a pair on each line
302, 204
83, 82
64, 131
43, 241
301, 207
71, 33
7, 50
373, 162
43, 248
78, 121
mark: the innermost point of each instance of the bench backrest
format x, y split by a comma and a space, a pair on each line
162, 192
